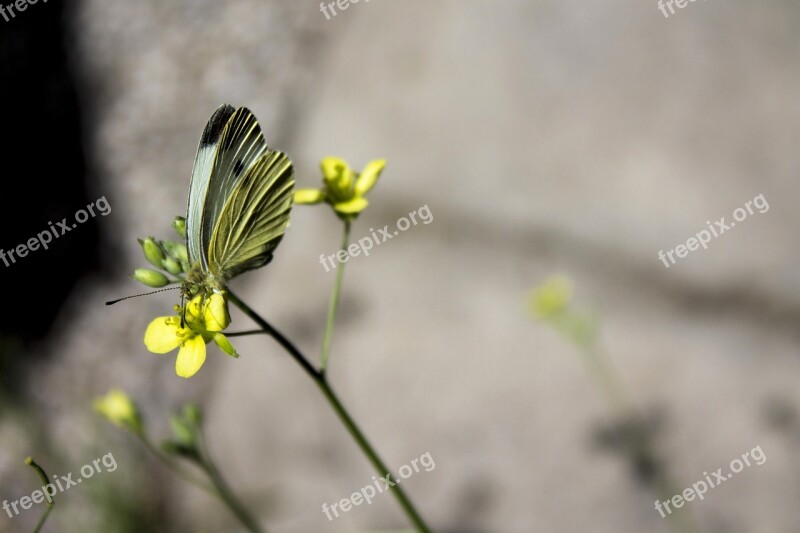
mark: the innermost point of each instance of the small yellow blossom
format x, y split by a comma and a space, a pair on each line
118, 408
204, 318
551, 298
344, 190
551, 301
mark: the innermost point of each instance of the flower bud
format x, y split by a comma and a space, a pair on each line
176, 250
184, 433
151, 278
172, 266
225, 345
118, 408
179, 225
152, 251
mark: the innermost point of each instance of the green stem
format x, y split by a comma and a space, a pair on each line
45, 482
621, 403
319, 378
245, 333
602, 370
175, 467
275, 334
218, 488
333, 305
224, 491
371, 454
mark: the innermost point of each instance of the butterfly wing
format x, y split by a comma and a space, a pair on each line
254, 218
201, 177
231, 144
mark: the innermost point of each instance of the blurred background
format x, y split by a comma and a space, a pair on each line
545, 137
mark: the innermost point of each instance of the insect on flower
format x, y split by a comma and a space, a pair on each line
240, 196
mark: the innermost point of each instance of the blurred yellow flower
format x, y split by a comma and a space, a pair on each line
344, 190
551, 297
118, 408
204, 319
551, 301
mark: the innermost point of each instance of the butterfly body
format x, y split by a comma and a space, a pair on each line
240, 197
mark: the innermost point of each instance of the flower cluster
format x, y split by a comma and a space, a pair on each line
169, 257
190, 329
344, 190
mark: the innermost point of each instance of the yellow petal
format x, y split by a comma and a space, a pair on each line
193, 308
191, 357
216, 315
332, 167
367, 179
351, 207
338, 177
309, 196
163, 334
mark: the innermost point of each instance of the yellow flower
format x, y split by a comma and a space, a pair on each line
118, 408
344, 190
551, 301
205, 318
551, 298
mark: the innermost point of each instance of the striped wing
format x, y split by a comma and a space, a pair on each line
230, 146
254, 218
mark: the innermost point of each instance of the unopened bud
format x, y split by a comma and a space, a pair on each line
118, 408
152, 251
193, 414
176, 250
179, 225
151, 278
172, 266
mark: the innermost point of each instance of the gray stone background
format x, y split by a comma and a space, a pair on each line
545, 136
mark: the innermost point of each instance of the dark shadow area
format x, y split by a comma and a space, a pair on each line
46, 181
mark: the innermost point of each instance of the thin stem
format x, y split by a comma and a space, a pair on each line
333, 304
275, 334
218, 488
620, 400
43, 518
45, 482
175, 467
245, 333
372, 455
224, 491
320, 379
602, 370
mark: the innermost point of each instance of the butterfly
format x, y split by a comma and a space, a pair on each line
240, 196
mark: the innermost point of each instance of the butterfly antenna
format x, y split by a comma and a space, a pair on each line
112, 302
